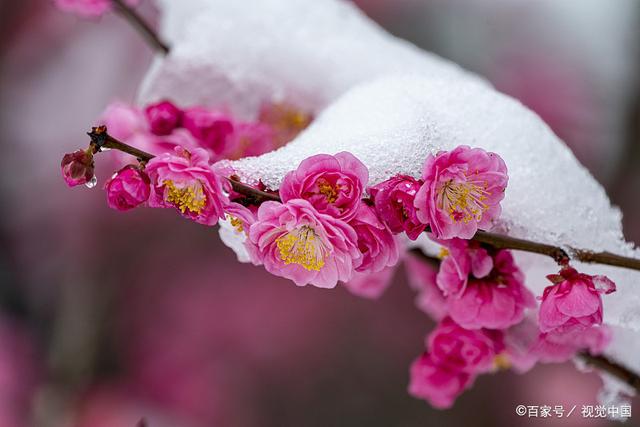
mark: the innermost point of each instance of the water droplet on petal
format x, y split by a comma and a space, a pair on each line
104, 149
92, 182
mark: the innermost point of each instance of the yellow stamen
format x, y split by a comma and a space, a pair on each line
190, 197
302, 246
444, 252
327, 190
501, 361
463, 200
236, 223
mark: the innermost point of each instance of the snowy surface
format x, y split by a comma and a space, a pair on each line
390, 104
240, 54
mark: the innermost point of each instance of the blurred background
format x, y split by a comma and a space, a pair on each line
106, 317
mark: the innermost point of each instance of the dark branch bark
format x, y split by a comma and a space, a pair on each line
101, 139
612, 368
499, 241
142, 26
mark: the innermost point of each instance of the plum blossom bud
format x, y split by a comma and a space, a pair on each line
212, 129
461, 349
437, 384
127, 188
393, 201
163, 117
375, 241
574, 301
77, 167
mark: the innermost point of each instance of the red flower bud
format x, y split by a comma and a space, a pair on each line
77, 167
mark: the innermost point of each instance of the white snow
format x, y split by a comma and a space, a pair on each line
240, 54
390, 104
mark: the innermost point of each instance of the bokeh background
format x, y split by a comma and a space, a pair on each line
106, 317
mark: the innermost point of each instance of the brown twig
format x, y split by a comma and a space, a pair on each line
612, 368
136, 21
561, 256
101, 138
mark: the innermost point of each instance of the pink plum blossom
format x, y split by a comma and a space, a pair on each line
435, 383
394, 203
573, 301
234, 230
77, 167
463, 258
89, 8
462, 191
250, 139
241, 216
370, 285
496, 301
212, 129
332, 184
127, 188
184, 180
460, 349
123, 120
286, 120
163, 117
422, 278
375, 241
295, 241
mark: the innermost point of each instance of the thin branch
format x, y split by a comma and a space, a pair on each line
252, 193
561, 256
612, 368
142, 26
102, 139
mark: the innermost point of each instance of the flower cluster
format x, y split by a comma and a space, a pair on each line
326, 225
569, 318
325, 230
455, 357
160, 127
322, 231
291, 239
185, 143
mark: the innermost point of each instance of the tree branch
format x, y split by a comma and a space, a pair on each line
101, 138
500, 241
612, 368
136, 21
